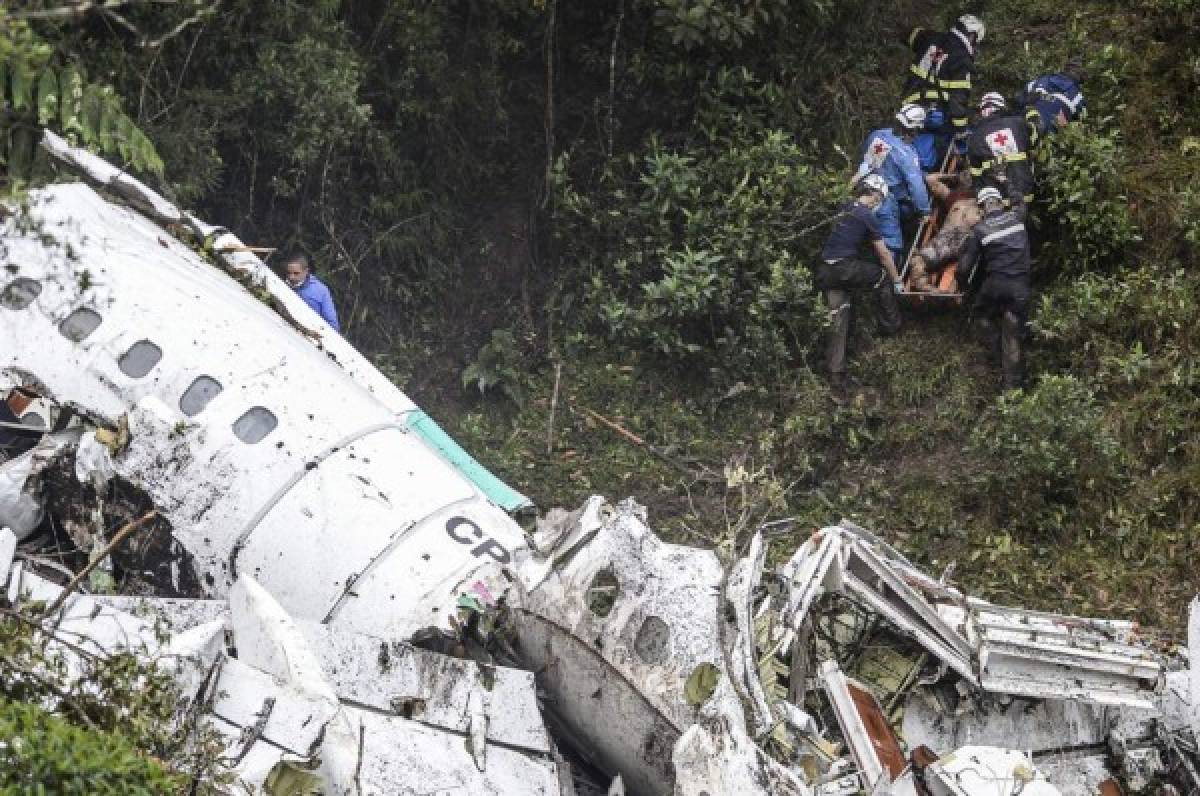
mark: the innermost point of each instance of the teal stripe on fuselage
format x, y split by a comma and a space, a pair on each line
496, 490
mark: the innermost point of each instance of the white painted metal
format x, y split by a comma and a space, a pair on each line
318, 540
1042, 655
870, 768
727, 762
8, 546
1194, 661
986, 771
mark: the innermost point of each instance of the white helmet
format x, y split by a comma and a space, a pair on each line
989, 194
911, 117
969, 23
994, 100
876, 183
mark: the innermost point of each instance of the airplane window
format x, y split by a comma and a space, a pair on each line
197, 396
20, 293
254, 425
33, 420
140, 359
77, 326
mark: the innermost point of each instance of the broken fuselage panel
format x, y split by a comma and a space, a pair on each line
265, 454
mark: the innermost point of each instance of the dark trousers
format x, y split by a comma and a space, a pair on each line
837, 282
1004, 300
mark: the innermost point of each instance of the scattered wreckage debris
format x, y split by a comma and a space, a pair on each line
373, 619
847, 671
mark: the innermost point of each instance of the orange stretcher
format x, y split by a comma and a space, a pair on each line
945, 280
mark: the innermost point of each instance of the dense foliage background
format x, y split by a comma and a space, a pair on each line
537, 212
619, 197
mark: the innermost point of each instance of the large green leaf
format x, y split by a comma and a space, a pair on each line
22, 86
107, 132
47, 97
701, 683
91, 114
71, 86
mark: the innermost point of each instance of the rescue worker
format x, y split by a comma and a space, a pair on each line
888, 152
1000, 144
843, 269
314, 292
1052, 101
962, 213
939, 80
999, 246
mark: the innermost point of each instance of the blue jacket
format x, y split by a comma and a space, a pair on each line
886, 154
317, 296
1048, 95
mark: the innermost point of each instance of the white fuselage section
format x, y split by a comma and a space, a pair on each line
294, 468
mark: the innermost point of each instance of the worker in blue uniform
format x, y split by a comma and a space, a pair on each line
888, 152
1053, 101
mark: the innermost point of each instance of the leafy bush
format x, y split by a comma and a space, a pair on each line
42, 753
114, 713
38, 91
1087, 222
499, 365
697, 253
1047, 451
1101, 327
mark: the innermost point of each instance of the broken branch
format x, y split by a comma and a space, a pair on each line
641, 443
118, 537
553, 409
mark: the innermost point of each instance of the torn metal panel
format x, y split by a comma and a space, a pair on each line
174, 615
872, 743
984, 771
401, 756
1041, 725
424, 686
1194, 659
870, 578
815, 568
8, 547
389, 676
579, 624
633, 647
740, 591
21, 500
1042, 655
724, 761
1079, 773
286, 716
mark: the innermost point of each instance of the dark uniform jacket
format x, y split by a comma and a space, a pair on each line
1003, 140
940, 74
1000, 243
1047, 96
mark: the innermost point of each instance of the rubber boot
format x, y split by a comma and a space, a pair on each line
1010, 352
839, 388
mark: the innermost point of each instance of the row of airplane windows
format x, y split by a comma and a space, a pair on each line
251, 427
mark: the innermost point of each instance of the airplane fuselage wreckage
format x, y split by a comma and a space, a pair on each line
345, 587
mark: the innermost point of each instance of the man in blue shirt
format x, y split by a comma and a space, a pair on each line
844, 268
1052, 101
888, 152
312, 290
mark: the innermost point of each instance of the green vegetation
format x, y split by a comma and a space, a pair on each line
109, 725
43, 753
